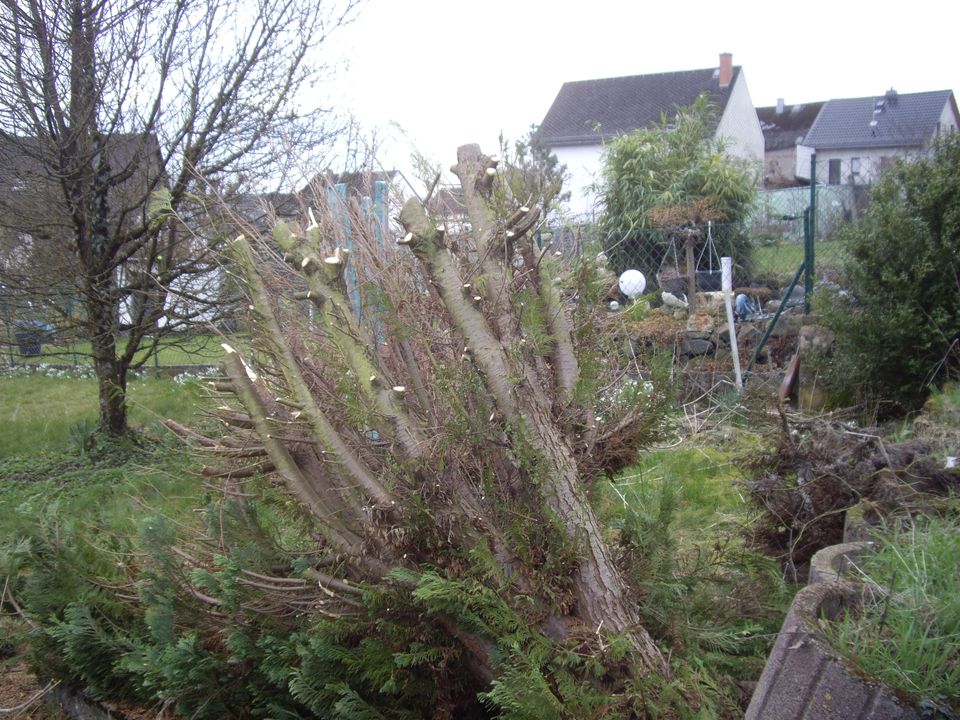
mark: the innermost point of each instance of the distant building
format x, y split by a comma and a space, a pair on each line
855, 139
587, 113
784, 129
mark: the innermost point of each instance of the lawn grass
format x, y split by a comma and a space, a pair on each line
71, 513
71, 529
203, 349
785, 258
40, 413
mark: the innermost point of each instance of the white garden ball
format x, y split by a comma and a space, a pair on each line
632, 283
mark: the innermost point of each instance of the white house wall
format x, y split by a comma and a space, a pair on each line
802, 170
739, 126
948, 121
584, 163
870, 159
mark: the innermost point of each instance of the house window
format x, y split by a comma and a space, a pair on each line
854, 166
834, 172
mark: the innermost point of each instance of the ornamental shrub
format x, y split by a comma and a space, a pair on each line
897, 316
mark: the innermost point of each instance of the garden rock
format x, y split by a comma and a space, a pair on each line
696, 346
710, 302
701, 325
796, 295
787, 324
815, 338
748, 335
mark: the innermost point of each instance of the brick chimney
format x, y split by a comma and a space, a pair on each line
726, 69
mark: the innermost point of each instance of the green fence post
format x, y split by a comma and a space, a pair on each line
776, 316
810, 234
807, 251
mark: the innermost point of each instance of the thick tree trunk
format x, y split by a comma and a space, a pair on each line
606, 603
111, 372
604, 599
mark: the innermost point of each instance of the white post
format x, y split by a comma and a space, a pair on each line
726, 266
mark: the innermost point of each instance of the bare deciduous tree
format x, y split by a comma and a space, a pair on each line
111, 107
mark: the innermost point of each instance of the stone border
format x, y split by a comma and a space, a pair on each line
830, 563
804, 678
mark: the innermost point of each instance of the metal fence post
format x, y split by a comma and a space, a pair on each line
380, 207
810, 233
807, 258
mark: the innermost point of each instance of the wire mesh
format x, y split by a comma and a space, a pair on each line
767, 249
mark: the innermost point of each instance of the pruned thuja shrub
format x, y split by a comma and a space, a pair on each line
407, 451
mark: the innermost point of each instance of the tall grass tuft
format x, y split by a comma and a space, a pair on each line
908, 632
680, 519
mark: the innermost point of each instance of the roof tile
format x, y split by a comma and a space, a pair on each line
907, 120
586, 111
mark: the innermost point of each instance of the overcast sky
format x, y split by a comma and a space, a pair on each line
446, 72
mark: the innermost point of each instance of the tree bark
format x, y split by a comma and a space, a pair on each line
110, 371
603, 596
115, 112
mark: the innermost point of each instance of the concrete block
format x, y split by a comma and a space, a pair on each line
804, 679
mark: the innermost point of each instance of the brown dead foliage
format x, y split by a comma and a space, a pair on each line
819, 468
657, 328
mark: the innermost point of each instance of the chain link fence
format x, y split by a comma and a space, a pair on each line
789, 243
30, 338
767, 249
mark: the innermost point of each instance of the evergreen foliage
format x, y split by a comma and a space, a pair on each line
897, 318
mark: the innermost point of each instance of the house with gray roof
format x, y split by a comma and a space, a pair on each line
587, 113
855, 139
784, 129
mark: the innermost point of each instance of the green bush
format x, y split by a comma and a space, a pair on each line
897, 319
672, 176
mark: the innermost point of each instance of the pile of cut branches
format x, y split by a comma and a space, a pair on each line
816, 469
